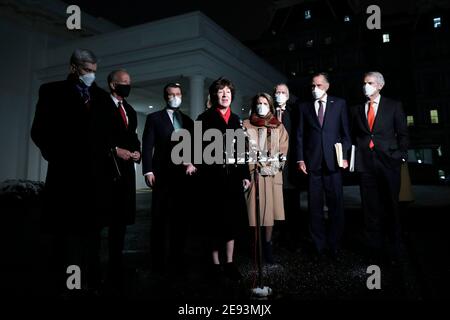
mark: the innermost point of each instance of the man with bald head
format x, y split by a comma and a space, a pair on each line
125, 148
287, 113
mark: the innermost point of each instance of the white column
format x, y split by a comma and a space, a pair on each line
196, 87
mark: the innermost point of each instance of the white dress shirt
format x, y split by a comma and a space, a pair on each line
170, 113
376, 102
116, 101
324, 103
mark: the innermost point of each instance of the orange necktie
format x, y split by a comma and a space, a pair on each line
370, 120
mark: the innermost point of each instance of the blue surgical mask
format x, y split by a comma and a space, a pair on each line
88, 78
175, 102
281, 98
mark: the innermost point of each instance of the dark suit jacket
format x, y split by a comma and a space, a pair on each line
290, 121
157, 145
124, 137
390, 135
316, 143
73, 139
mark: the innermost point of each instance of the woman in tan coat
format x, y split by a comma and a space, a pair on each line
268, 136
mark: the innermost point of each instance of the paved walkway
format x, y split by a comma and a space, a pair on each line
296, 276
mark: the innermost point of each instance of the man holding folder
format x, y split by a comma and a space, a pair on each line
323, 123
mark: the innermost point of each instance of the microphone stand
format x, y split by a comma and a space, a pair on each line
260, 291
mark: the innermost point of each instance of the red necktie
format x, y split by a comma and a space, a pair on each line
123, 114
370, 120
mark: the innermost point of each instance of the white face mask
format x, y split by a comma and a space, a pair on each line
317, 93
88, 78
175, 102
262, 109
369, 90
281, 98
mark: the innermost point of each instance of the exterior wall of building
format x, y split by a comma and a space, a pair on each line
189, 47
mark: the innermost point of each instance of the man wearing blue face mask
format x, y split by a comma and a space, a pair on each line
168, 182
380, 133
67, 128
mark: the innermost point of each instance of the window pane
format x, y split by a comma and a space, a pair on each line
434, 116
307, 14
437, 22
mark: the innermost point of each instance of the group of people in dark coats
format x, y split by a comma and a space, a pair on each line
88, 137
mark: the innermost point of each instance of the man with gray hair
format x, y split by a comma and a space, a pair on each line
68, 128
287, 112
380, 134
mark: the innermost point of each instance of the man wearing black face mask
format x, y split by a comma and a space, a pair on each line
125, 148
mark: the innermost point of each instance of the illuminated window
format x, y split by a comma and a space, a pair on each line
307, 14
434, 117
309, 43
410, 120
437, 22
386, 38
347, 19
